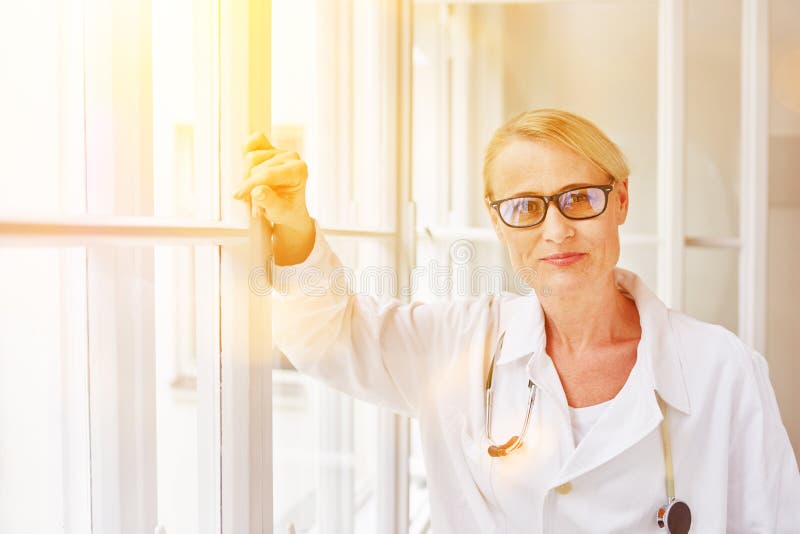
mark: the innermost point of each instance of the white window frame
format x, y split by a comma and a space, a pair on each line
236, 494
96, 476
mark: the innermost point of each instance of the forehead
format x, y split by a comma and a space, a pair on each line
539, 166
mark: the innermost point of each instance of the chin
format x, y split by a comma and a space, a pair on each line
555, 281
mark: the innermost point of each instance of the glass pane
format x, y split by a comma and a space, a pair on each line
713, 92
419, 509
711, 291
151, 319
477, 65
129, 128
324, 457
324, 442
41, 103
34, 329
152, 322
372, 263
185, 327
328, 104
151, 114
462, 267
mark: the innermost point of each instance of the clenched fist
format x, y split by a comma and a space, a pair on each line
275, 182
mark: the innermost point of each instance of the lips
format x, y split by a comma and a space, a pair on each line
562, 255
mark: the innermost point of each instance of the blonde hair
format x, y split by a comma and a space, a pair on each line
565, 128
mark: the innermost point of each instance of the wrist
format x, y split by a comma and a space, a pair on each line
293, 243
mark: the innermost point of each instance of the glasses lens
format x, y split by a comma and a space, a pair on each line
583, 203
524, 211
679, 518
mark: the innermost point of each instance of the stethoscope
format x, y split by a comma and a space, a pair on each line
675, 516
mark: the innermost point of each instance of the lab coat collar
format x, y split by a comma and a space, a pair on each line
523, 321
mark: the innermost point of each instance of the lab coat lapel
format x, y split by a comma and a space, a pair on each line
522, 320
633, 414
659, 347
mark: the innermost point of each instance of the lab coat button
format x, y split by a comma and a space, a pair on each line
564, 488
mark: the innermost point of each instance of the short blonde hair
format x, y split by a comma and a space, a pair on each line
565, 128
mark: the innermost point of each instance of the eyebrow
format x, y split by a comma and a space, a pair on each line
565, 188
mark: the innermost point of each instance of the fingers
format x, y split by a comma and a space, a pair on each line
261, 194
256, 141
271, 161
255, 157
268, 176
287, 175
265, 200
274, 179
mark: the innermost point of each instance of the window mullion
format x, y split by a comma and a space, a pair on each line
754, 167
393, 446
671, 76
74, 397
122, 390
245, 312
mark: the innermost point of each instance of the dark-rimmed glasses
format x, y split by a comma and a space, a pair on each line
524, 211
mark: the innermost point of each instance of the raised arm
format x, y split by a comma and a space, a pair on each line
382, 351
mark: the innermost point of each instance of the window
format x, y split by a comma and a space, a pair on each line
139, 391
333, 101
124, 304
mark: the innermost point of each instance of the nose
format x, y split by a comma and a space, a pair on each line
555, 227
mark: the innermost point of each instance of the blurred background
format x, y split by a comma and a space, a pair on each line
114, 415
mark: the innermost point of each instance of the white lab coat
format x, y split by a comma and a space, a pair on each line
733, 461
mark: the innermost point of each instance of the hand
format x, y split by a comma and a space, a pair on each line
275, 182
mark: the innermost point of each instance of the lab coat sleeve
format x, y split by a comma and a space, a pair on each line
764, 483
381, 351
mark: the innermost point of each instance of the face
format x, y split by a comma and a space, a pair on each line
545, 168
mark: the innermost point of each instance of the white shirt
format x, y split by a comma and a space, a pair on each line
583, 419
732, 458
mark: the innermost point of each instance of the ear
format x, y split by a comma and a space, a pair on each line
621, 205
497, 224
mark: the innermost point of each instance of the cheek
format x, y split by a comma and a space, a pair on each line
521, 246
603, 240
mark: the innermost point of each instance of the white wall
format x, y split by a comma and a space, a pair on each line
783, 334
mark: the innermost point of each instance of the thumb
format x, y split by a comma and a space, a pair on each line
264, 197
261, 193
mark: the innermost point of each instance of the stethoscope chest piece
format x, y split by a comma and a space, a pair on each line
675, 516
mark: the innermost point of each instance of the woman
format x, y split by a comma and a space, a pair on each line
609, 412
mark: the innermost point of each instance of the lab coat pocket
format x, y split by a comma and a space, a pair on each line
477, 475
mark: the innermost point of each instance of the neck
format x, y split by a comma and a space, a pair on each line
579, 323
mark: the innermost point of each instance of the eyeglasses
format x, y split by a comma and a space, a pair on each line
675, 516
578, 203
516, 441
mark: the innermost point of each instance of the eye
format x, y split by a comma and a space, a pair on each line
576, 197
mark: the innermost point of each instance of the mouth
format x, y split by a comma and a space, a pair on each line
564, 258
561, 255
